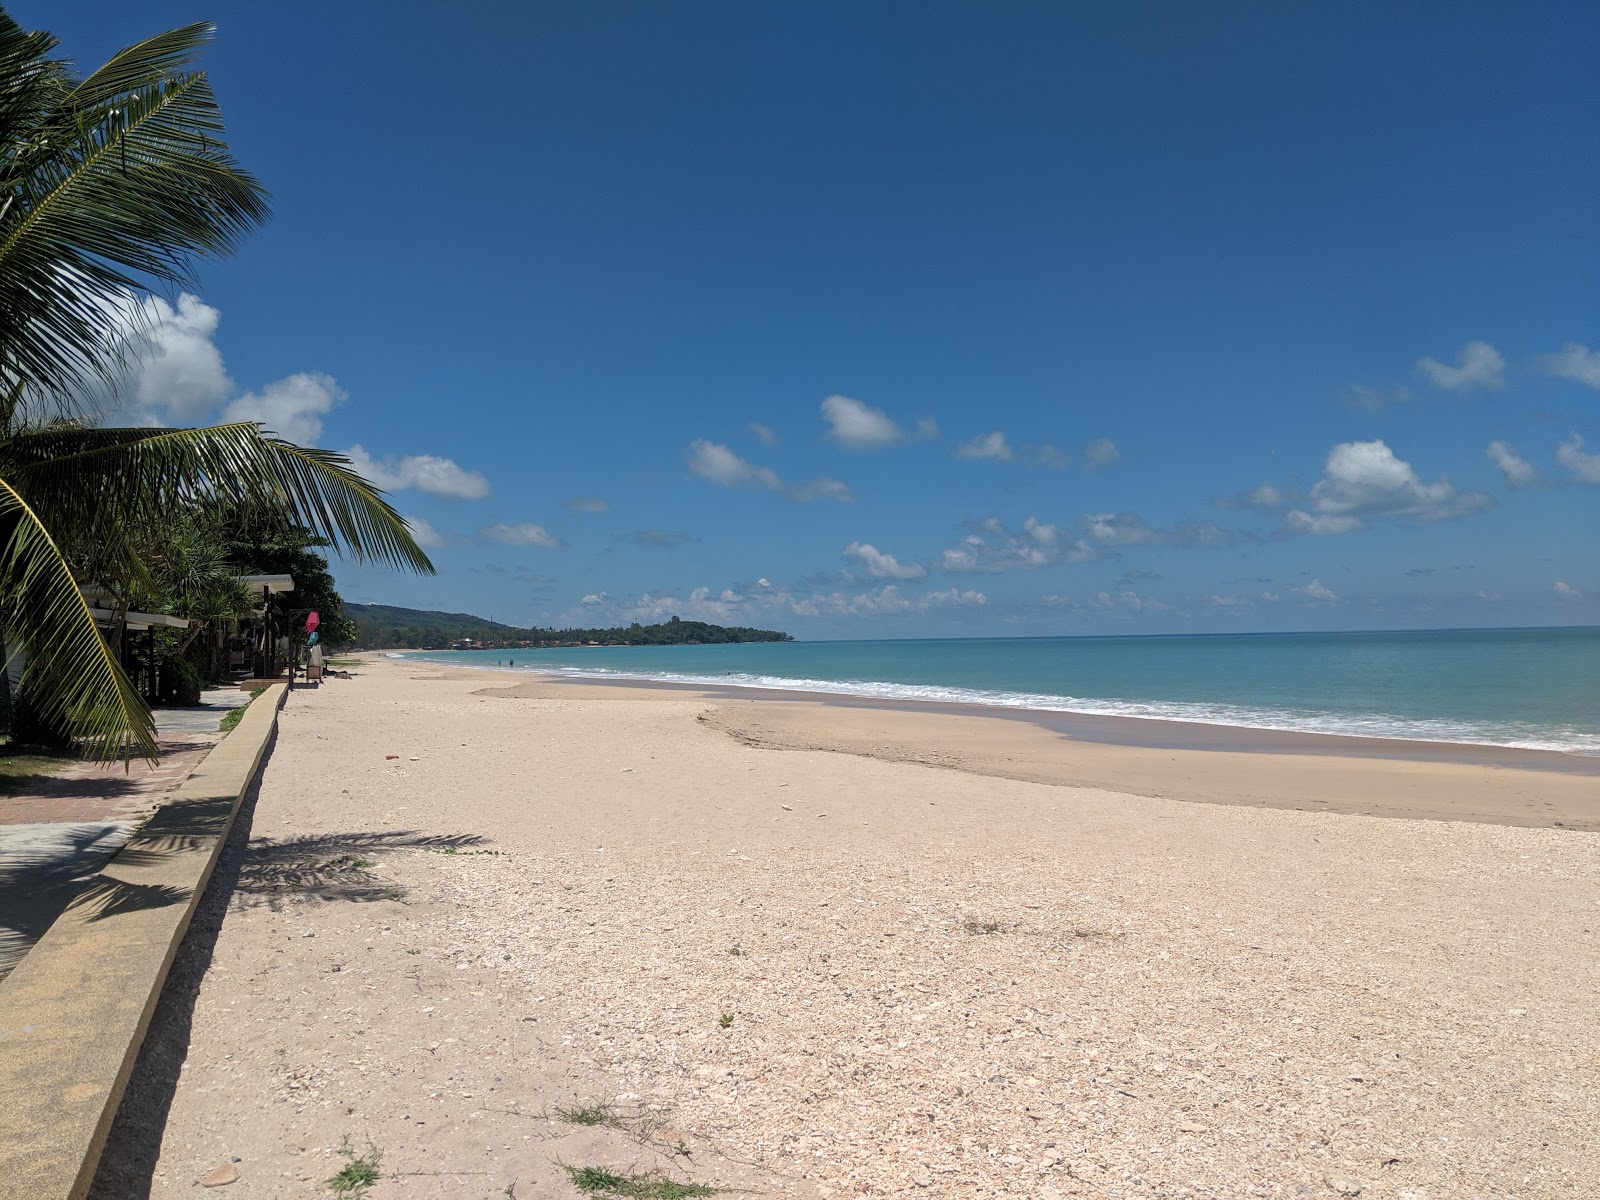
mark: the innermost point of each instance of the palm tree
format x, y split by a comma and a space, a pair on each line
110, 184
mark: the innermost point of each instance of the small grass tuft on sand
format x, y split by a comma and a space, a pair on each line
587, 1114
598, 1181
983, 926
360, 1171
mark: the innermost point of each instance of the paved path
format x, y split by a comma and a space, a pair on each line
58, 831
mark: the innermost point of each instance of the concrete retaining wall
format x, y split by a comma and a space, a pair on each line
74, 1012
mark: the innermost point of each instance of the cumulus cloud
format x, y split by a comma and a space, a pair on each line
764, 433
821, 489
1576, 362
1519, 472
1269, 597
1129, 529
1048, 456
986, 445
1263, 496
1477, 365
588, 504
1102, 452
525, 534
881, 565
1228, 601
1585, 467
424, 534
858, 426
718, 464
1566, 591
1316, 590
425, 472
173, 372
1131, 601
292, 408
1363, 480
991, 546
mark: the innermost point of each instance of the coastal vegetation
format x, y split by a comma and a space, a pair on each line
384, 627
113, 184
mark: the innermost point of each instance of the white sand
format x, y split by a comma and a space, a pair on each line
949, 984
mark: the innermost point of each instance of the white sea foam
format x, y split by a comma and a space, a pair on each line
1373, 725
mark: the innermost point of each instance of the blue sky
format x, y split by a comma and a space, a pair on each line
895, 319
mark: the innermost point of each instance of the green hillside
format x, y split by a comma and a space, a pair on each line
386, 627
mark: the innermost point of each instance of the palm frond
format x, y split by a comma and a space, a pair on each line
100, 483
107, 184
70, 675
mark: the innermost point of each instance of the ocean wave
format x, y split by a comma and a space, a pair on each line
1373, 725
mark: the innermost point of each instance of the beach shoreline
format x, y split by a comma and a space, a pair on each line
844, 969
1191, 762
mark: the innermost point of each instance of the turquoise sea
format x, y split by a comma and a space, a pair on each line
1532, 688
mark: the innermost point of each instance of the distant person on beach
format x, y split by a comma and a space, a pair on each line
512, 663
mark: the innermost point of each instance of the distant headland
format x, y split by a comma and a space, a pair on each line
385, 627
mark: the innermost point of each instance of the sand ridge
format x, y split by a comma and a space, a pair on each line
939, 982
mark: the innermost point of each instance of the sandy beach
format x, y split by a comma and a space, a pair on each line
801, 948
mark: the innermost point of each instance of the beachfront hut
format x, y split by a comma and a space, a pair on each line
265, 641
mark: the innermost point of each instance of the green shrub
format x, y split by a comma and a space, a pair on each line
179, 683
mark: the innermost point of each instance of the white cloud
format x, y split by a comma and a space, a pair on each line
1270, 597
588, 504
764, 433
292, 407
1129, 529
1102, 452
1228, 601
1585, 467
1263, 496
1132, 602
425, 472
1299, 521
1566, 591
174, 373
822, 489
768, 603
881, 565
424, 534
1365, 479
714, 461
1316, 590
1478, 365
1519, 472
992, 547
986, 445
858, 426
1576, 362
927, 428
1048, 456
525, 534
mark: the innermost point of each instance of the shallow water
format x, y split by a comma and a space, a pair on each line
1530, 688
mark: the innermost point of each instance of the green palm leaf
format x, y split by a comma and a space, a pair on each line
105, 185
70, 675
101, 483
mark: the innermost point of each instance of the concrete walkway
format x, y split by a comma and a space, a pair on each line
59, 830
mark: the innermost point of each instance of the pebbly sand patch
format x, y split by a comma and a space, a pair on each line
797, 973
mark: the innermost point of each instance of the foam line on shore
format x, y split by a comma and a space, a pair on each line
1377, 726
